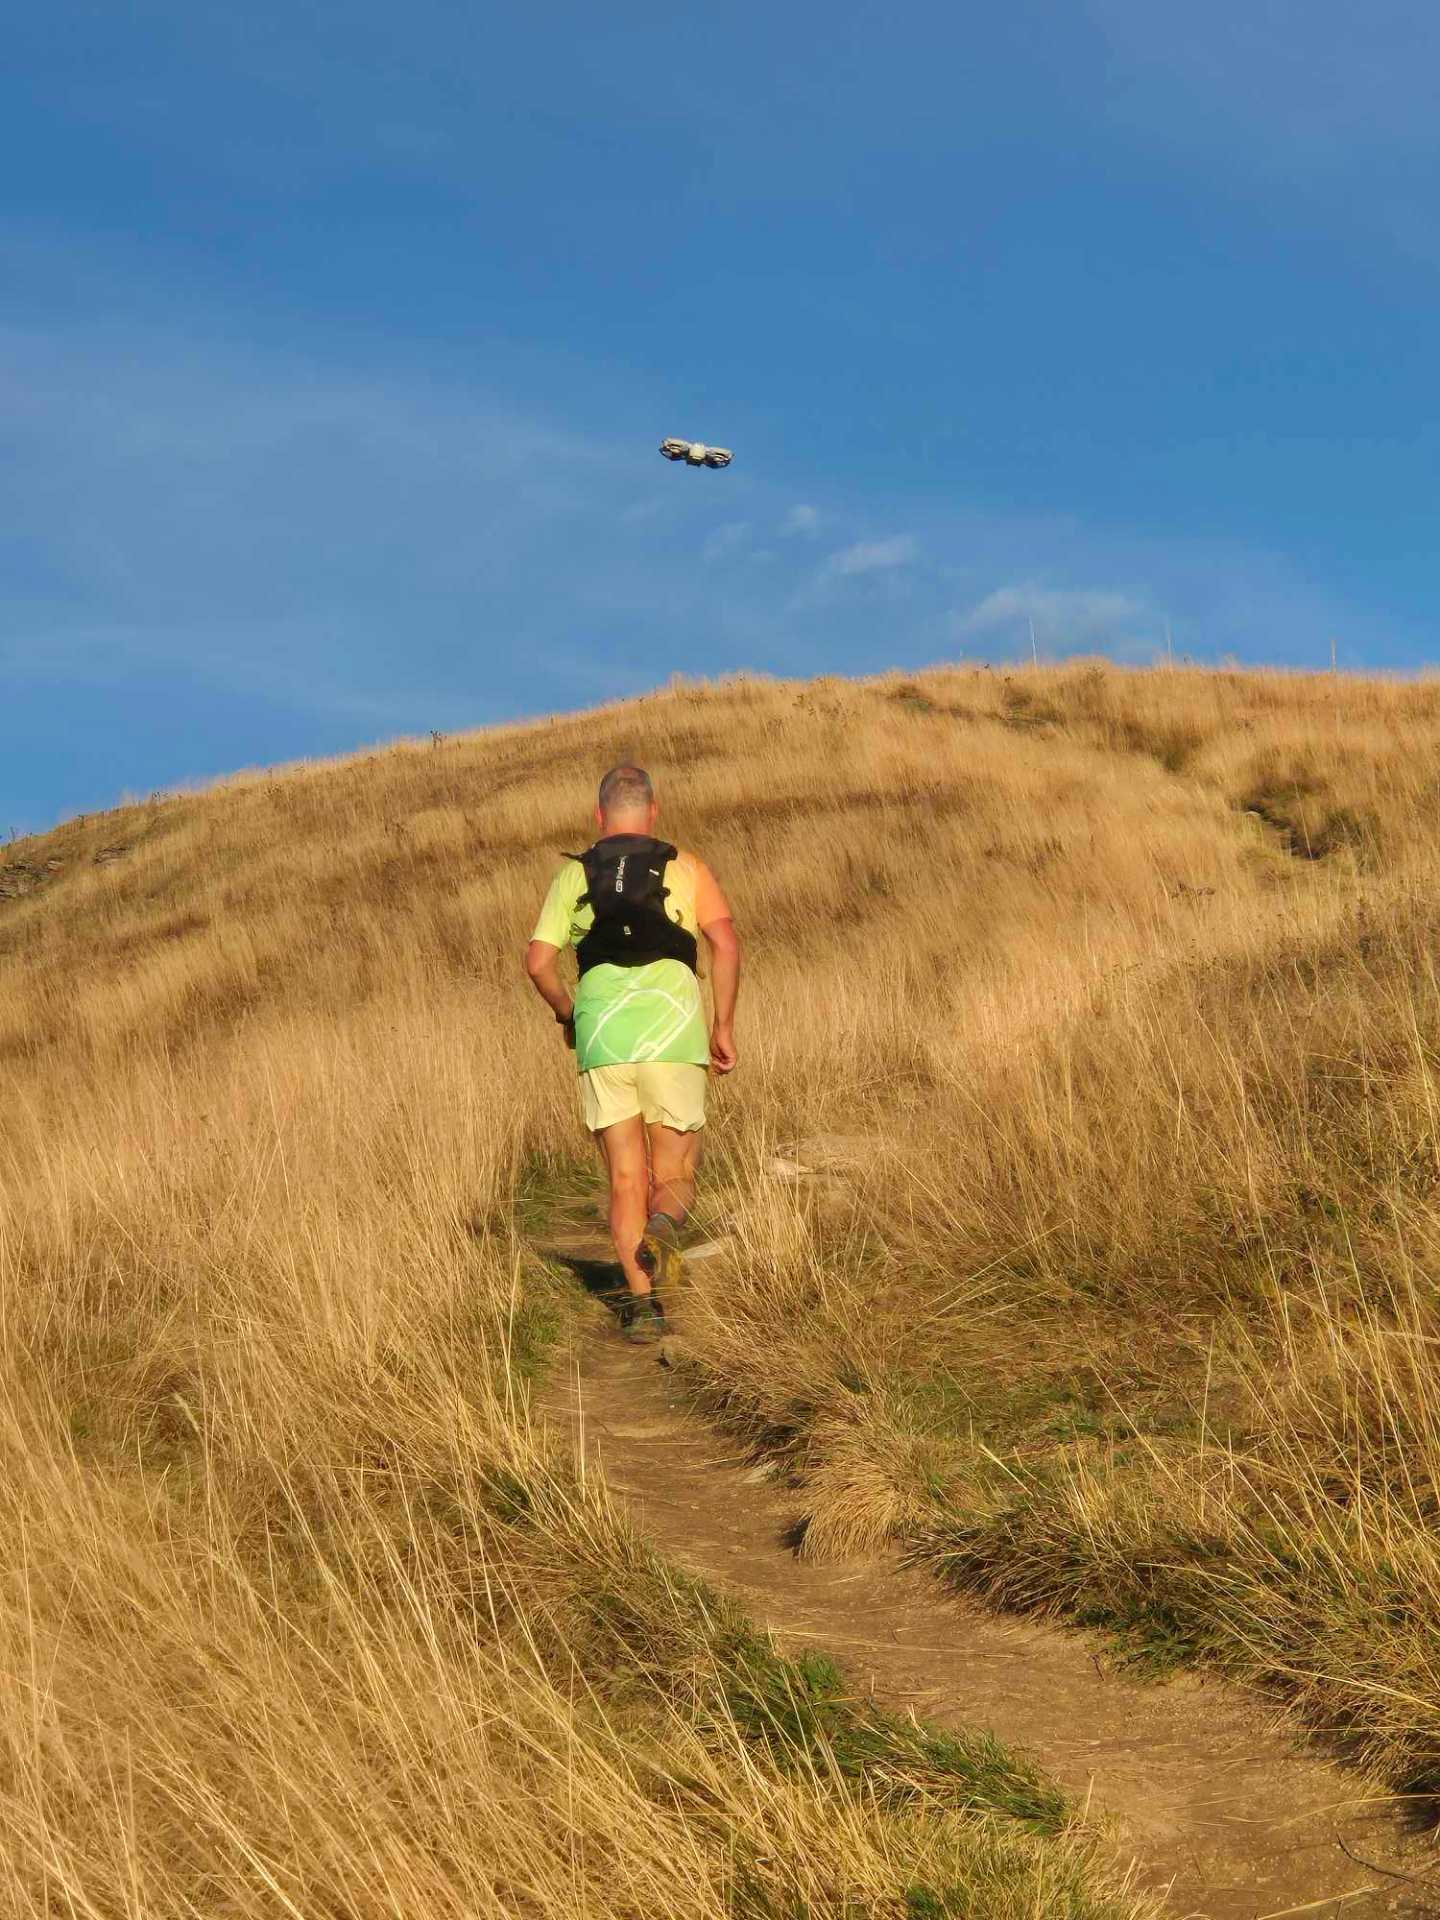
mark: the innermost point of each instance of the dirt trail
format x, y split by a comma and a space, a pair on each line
1193, 1778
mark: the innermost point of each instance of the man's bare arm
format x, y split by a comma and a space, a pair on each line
724, 945
540, 964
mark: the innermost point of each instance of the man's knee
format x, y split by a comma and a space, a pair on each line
672, 1154
672, 1183
629, 1179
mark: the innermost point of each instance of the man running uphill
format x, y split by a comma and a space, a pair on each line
634, 907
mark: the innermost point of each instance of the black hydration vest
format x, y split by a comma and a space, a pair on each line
625, 885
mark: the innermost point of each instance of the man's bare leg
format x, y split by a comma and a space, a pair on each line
623, 1146
673, 1160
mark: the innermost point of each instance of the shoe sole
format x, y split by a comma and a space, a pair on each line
665, 1265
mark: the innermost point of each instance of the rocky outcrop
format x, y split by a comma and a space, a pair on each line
19, 879
24, 876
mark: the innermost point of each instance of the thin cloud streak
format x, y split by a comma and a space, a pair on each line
873, 556
1077, 614
727, 539
801, 519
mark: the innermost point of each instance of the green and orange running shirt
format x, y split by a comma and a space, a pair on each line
625, 1014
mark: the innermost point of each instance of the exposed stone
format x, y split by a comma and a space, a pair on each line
782, 1169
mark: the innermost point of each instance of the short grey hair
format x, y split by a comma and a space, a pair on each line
626, 789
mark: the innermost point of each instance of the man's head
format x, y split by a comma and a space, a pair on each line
626, 803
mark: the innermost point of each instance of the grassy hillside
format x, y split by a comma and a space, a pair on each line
1111, 996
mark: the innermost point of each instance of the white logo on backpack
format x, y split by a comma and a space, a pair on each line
620, 874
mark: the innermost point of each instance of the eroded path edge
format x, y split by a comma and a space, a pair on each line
1215, 1801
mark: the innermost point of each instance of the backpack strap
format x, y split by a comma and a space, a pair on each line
661, 849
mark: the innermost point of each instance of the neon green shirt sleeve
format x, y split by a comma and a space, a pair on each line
557, 917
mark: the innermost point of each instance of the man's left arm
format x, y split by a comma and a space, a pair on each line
543, 954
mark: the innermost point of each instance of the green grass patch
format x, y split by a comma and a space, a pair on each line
802, 1713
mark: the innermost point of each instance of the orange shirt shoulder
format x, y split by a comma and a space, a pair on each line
710, 902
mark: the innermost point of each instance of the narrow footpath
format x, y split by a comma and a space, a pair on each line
1193, 1779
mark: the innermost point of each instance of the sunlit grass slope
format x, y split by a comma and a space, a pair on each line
1112, 998
300, 1615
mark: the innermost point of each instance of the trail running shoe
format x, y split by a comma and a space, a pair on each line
659, 1251
642, 1318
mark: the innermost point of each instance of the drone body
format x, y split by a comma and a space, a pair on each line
695, 453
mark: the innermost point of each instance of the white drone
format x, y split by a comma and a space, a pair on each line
695, 453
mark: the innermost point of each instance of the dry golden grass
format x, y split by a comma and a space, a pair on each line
1123, 1309
300, 1615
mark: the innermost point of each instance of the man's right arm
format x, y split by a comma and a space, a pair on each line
724, 944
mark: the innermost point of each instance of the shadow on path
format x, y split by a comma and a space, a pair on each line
603, 1280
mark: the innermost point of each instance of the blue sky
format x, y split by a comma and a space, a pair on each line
338, 341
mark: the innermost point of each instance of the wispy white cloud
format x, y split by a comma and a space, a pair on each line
639, 511
873, 556
1069, 614
724, 540
801, 519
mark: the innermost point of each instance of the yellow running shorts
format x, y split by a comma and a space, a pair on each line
666, 1093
